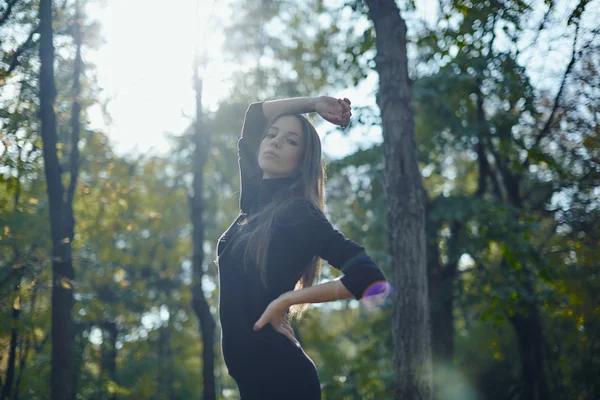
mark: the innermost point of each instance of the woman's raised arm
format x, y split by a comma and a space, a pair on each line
296, 105
336, 111
258, 114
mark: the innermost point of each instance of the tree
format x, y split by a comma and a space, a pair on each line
405, 197
202, 139
62, 267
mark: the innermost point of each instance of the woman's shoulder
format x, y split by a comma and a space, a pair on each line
300, 210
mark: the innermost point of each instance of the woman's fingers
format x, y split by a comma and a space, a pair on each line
333, 118
288, 331
335, 110
346, 111
287, 326
338, 117
345, 105
291, 337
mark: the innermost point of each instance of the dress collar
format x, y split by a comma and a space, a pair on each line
269, 187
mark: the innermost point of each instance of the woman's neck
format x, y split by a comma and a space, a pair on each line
270, 186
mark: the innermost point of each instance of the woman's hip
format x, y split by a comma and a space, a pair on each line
279, 383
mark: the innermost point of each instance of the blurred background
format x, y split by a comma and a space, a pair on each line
150, 99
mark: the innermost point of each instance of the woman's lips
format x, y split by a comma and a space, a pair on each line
270, 154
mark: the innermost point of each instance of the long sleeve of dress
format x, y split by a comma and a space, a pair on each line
310, 233
248, 144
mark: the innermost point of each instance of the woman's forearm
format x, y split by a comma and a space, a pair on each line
321, 293
296, 105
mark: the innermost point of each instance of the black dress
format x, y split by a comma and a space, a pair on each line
266, 364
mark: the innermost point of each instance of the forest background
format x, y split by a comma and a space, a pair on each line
506, 103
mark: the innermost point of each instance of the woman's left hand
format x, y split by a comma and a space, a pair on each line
276, 314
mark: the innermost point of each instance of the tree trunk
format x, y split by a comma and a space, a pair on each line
109, 351
529, 335
199, 303
441, 296
12, 353
24, 352
79, 343
528, 327
16, 306
75, 125
166, 361
405, 197
61, 381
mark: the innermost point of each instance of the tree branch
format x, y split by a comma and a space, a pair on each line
548, 124
25, 46
7, 12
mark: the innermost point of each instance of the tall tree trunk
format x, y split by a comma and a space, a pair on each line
61, 381
405, 197
61, 210
199, 302
75, 125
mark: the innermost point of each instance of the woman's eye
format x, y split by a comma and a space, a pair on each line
292, 142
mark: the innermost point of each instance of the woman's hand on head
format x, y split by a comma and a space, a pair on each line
336, 111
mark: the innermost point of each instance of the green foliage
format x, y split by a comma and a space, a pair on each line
481, 97
526, 235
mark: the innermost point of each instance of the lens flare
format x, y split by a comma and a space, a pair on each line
377, 295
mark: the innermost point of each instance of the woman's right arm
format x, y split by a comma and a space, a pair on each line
297, 105
336, 111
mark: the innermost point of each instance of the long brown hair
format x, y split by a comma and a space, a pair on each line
309, 185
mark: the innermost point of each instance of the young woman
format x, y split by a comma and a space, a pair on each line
271, 254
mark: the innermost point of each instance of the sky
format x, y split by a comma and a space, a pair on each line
145, 69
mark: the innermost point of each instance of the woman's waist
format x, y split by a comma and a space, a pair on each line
243, 302
245, 351
242, 341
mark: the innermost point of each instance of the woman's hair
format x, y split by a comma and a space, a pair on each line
309, 185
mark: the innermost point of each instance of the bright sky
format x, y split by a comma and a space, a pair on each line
145, 67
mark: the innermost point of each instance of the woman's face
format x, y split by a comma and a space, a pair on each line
285, 140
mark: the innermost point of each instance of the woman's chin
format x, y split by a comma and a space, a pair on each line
268, 169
